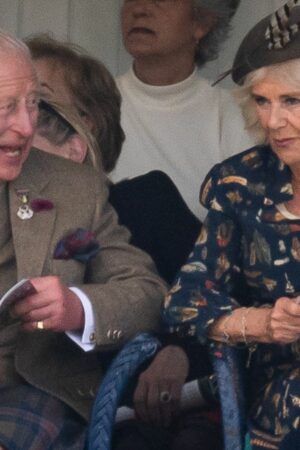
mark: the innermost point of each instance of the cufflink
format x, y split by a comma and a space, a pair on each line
119, 334
92, 337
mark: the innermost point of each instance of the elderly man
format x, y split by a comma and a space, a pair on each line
87, 288
173, 119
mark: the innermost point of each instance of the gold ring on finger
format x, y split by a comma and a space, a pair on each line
40, 325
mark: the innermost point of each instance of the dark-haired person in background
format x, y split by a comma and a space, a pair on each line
150, 205
173, 119
160, 223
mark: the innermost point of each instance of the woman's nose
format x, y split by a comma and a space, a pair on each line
277, 117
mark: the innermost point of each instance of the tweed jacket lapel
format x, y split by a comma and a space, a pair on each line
32, 236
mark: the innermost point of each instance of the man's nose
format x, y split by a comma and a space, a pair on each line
24, 120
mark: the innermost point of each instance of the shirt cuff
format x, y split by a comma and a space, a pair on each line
87, 339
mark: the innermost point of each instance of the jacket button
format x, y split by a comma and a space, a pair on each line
92, 337
92, 393
115, 333
119, 334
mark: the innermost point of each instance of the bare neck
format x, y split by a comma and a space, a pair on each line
296, 185
295, 169
162, 71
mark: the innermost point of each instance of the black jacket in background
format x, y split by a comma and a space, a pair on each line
159, 220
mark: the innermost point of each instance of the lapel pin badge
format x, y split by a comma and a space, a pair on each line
24, 211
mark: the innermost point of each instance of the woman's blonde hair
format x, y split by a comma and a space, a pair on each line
287, 72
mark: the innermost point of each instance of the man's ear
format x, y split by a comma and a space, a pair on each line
204, 21
77, 148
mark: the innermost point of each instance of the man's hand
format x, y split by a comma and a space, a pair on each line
53, 304
166, 375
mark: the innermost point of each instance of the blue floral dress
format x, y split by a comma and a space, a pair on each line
248, 253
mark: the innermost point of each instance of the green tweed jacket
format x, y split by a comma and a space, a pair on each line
120, 281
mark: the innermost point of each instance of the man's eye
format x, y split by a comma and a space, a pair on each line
7, 107
33, 102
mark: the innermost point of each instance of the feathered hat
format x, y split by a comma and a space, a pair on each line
275, 39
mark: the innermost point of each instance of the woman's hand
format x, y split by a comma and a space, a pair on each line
277, 325
56, 306
283, 325
165, 375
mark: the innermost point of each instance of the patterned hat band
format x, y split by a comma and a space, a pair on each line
273, 40
280, 31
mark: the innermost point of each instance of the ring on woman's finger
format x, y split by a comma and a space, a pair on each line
40, 325
165, 397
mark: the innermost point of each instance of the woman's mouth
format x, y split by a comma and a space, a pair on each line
283, 143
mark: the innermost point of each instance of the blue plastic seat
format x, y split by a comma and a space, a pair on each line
116, 379
227, 366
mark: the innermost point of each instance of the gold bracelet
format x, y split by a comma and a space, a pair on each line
227, 337
244, 325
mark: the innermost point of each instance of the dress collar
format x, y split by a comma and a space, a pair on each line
278, 180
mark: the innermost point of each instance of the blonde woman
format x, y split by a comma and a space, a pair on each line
241, 283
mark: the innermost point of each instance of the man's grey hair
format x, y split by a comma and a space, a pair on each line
223, 10
9, 42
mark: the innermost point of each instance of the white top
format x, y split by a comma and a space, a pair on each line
182, 129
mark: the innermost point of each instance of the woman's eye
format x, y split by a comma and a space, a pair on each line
260, 101
291, 101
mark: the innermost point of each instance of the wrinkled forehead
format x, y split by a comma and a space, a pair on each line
16, 69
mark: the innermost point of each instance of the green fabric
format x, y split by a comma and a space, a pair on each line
8, 270
8, 277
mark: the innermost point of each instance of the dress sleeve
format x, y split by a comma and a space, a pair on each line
204, 288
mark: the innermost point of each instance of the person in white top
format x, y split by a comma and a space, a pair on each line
173, 118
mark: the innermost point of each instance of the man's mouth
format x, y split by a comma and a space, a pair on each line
11, 152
